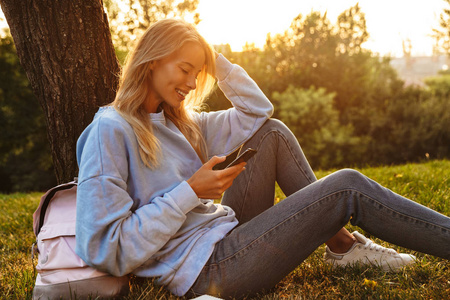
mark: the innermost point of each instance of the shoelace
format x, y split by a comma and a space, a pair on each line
372, 246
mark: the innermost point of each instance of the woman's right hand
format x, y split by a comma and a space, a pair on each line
210, 184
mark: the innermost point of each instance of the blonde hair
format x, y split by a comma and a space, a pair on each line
160, 40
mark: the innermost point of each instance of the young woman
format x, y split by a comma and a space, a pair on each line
146, 177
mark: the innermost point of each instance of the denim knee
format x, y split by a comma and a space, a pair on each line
275, 124
346, 179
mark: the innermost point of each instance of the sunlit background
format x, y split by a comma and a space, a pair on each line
389, 22
385, 101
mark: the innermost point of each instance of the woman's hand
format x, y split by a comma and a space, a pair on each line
210, 184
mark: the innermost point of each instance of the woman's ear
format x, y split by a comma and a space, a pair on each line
153, 64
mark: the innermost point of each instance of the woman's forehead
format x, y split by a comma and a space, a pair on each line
192, 54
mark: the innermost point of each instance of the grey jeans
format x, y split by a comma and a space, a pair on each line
272, 240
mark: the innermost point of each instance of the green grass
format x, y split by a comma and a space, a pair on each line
427, 183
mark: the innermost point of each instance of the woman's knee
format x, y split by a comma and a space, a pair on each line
278, 127
349, 173
347, 179
275, 124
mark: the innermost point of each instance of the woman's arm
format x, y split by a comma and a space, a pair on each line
112, 238
112, 234
224, 131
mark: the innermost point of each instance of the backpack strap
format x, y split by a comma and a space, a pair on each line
48, 199
39, 214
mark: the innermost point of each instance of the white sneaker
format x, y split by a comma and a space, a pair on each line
366, 252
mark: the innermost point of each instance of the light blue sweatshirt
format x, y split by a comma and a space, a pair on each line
133, 219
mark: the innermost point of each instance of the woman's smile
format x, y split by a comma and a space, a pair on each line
181, 93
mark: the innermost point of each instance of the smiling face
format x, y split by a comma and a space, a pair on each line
174, 76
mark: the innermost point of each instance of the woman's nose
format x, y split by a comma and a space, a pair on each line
192, 82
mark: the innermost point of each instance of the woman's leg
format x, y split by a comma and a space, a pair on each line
281, 159
274, 241
259, 253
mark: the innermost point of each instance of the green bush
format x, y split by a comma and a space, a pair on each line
315, 122
414, 125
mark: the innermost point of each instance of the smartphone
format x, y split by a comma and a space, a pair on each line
245, 156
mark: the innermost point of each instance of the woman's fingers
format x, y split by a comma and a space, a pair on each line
228, 175
210, 184
214, 161
234, 171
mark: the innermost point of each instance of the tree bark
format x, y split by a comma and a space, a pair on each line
66, 51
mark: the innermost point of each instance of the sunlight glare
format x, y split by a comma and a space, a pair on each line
236, 22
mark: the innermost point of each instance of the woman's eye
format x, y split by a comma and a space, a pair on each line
184, 71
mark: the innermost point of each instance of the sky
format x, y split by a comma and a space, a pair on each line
389, 22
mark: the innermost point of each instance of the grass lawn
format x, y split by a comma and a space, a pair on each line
427, 183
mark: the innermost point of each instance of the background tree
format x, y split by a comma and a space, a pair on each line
66, 51
130, 18
442, 34
352, 30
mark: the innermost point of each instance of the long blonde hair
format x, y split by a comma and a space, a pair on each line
160, 40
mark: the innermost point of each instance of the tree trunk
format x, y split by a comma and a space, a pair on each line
66, 51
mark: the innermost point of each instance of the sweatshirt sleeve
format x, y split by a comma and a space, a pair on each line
224, 131
111, 234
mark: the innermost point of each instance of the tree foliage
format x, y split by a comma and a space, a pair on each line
414, 125
373, 118
311, 116
442, 34
128, 19
25, 158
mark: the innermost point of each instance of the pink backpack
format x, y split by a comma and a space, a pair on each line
61, 272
